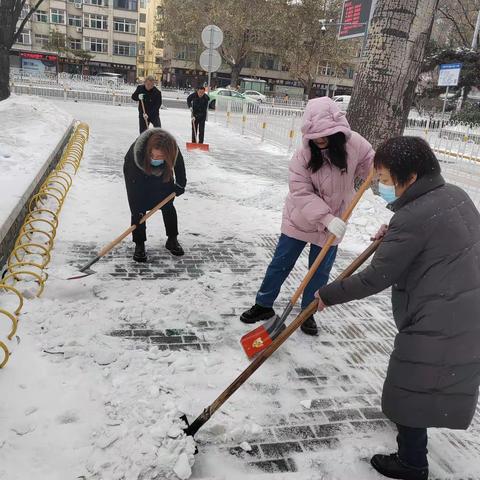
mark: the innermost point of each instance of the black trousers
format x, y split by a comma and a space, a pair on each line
155, 121
412, 446
200, 126
169, 219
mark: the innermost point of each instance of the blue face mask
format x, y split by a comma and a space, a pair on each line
387, 192
156, 163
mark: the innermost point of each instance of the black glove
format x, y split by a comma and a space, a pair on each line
179, 190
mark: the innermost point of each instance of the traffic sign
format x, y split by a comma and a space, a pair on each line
449, 74
212, 36
210, 60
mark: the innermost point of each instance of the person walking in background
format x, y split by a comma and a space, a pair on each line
151, 97
429, 256
153, 169
321, 181
198, 104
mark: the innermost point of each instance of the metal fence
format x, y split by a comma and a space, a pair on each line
457, 145
73, 94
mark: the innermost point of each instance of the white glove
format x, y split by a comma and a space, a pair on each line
338, 227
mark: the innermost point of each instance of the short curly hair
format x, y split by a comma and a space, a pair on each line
406, 156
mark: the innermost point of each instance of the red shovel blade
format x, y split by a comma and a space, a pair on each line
198, 146
256, 341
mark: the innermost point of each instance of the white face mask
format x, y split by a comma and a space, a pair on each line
156, 163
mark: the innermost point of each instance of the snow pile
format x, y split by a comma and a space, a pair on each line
30, 128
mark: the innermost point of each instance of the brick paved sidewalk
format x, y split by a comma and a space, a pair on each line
341, 371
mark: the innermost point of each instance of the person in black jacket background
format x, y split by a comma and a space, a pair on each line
198, 104
152, 99
153, 169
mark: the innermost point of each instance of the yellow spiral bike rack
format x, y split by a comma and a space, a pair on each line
31, 253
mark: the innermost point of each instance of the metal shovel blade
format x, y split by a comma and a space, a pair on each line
82, 274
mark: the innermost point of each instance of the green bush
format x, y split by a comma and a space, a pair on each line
470, 113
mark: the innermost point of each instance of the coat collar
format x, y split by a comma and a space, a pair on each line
420, 187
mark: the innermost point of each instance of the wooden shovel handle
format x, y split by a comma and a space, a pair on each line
115, 242
144, 113
274, 346
331, 239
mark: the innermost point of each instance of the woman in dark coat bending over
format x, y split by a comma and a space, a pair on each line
430, 256
153, 169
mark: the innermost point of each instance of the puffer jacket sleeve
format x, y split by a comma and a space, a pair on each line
365, 158
180, 174
403, 242
303, 194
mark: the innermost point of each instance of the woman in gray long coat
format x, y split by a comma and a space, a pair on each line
430, 256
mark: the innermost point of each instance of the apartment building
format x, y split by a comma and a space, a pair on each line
181, 69
107, 29
150, 42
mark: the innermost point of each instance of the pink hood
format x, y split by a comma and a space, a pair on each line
322, 118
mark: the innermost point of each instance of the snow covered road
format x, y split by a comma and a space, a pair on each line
105, 363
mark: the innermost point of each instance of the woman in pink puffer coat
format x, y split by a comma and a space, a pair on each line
321, 181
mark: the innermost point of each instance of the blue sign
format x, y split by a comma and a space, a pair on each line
449, 74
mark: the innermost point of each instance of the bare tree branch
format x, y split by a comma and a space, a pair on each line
25, 20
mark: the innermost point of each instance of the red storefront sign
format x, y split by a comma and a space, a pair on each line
355, 18
39, 56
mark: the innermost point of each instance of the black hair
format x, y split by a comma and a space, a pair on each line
337, 153
201, 88
406, 156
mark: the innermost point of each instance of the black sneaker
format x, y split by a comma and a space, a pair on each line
174, 247
392, 467
309, 327
256, 314
140, 255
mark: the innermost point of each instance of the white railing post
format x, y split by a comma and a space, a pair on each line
244, 117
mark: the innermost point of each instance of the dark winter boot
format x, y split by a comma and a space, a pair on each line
309, 326
174, 247
392, 467
140, 255
256, 314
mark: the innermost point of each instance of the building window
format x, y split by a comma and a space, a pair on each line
141, 59
99, 45
187, 52
160, 43
125, 5
143, 18
125, 25
98, 22
97, 3
158, 60
57, 16
25, 38
140, 72
141, 32
41, 39
124, 49
143, 3
75, 44
269, 62
41, 16
74, 20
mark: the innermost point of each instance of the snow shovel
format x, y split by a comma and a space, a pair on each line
195, 145
144, 113
193, 428
260, 338
85, 271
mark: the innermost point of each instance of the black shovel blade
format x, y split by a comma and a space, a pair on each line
187, 430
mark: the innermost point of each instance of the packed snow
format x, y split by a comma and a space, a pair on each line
80, 403
30, 129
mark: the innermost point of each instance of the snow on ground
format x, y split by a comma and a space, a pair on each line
30, 128
83, 404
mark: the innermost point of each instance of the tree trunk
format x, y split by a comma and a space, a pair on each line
235, 75
385, 85
4, 73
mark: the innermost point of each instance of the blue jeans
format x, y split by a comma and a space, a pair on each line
286, 255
